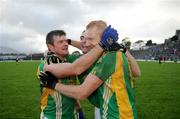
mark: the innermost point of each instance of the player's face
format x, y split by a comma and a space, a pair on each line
90, 38
82, 40
60, 46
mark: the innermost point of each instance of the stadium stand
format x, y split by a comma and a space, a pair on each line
169, 50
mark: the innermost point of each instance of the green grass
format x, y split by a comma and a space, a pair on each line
19, 90
157, 91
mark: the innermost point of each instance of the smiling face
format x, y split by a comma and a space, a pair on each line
89, 39
59, 46
92, 35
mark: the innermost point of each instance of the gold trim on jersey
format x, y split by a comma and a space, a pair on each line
106, 96
119, 85
44, 97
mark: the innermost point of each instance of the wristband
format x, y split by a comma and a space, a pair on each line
69, 41
102, 46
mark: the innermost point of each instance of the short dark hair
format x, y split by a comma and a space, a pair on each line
51, 34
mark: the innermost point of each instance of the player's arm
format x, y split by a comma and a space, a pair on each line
80, 65
135, 70
98, 74
91, 82
82, 91
74, 43
133, 65
84, 62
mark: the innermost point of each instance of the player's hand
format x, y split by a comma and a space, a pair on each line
81, 114
122, 48
109, 37
117, 46
52, 58
126, 43
47, 79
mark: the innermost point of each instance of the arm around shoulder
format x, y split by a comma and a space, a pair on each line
133, 65
82, 91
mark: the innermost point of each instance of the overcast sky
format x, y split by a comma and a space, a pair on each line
25, 23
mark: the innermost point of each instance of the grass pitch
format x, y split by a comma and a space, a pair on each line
157, 91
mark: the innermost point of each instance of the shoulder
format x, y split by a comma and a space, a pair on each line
109, 61
108, 57
105, 66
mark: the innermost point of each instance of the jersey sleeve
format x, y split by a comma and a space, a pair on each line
105, 66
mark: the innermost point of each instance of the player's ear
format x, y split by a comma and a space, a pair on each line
50, 47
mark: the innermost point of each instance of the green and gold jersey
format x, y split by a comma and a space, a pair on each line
93, 98
55, 105
116, 94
